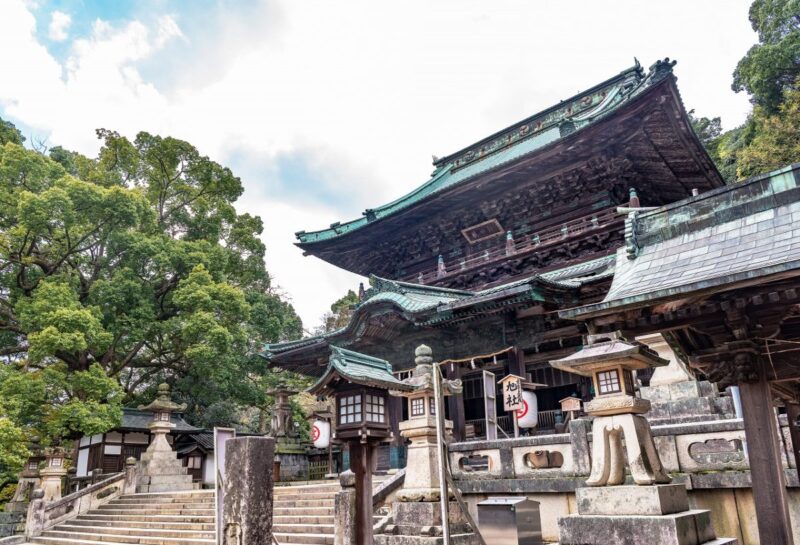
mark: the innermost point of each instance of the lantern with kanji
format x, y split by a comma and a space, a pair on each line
321, 428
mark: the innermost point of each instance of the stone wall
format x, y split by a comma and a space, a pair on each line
708, 457
11, 523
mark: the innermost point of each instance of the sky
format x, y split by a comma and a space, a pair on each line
325, 108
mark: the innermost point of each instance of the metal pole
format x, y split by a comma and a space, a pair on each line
441, 449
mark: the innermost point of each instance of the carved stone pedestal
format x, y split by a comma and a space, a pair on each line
52, 478
420, 523
422, 474
637, 515
161, 471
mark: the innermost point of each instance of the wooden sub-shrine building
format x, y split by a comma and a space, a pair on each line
602, 213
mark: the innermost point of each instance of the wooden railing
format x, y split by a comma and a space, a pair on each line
530, 244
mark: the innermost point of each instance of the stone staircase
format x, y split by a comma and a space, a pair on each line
163, 518
302, 513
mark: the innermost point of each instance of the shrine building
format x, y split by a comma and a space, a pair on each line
562, 225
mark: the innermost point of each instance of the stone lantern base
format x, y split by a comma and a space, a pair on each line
637, 515
420, 523
161, 471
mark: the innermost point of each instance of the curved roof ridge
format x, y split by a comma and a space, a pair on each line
517, 140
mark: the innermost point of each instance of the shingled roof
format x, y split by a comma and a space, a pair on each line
723, 238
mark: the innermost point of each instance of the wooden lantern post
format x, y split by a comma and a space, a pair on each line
359, 385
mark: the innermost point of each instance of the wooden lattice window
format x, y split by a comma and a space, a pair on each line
350, 409
417, 406
608, 382
376, 409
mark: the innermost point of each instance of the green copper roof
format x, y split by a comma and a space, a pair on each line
512, 143
428, 305
357, 368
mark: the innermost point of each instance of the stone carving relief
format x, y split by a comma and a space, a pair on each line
717, 451
544, 459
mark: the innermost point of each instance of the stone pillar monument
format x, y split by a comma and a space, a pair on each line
53, 472
290, 453
651, 511
160, 468
416, 516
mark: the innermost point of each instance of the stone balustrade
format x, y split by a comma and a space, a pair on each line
43, 514
702, 454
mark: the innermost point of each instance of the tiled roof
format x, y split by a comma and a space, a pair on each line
358, 369
733, 234
417, 298
134, 419
507, 145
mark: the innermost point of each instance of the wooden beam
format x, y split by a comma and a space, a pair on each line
766, 469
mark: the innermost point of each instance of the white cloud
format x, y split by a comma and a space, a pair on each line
363, 92
59, 25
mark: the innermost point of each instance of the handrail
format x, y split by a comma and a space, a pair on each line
84, 491
388, 486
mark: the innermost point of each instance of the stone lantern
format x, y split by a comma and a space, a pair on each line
618, 411
422, 477
359, 386
29, 478
608, 511
54, 470
161, 469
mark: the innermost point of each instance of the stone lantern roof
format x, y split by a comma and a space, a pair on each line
613, 351
163, 402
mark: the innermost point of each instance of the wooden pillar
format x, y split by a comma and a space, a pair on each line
792, 413
455, 404
766, 469
516, 363
361, 462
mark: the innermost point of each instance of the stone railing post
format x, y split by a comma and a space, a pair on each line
344, 510
247, 509
131, 476
34, 522
579, 442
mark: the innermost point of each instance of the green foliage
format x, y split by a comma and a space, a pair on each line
341, 312
9, 133
776, 140
772, 66
13, 451
123, 271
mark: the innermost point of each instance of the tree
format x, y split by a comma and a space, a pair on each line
133, 267
776, 140
771, 67
9, 133
341, 312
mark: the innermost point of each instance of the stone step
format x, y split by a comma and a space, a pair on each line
160, 505
173, 494
302, 519
131, 531
64, 538
148, 500
110, 516
304, 496
326, 529
88, 520
153, 510
299, 511
302, 503
304, 539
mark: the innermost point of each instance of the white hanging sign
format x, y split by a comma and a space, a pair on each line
512, 392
